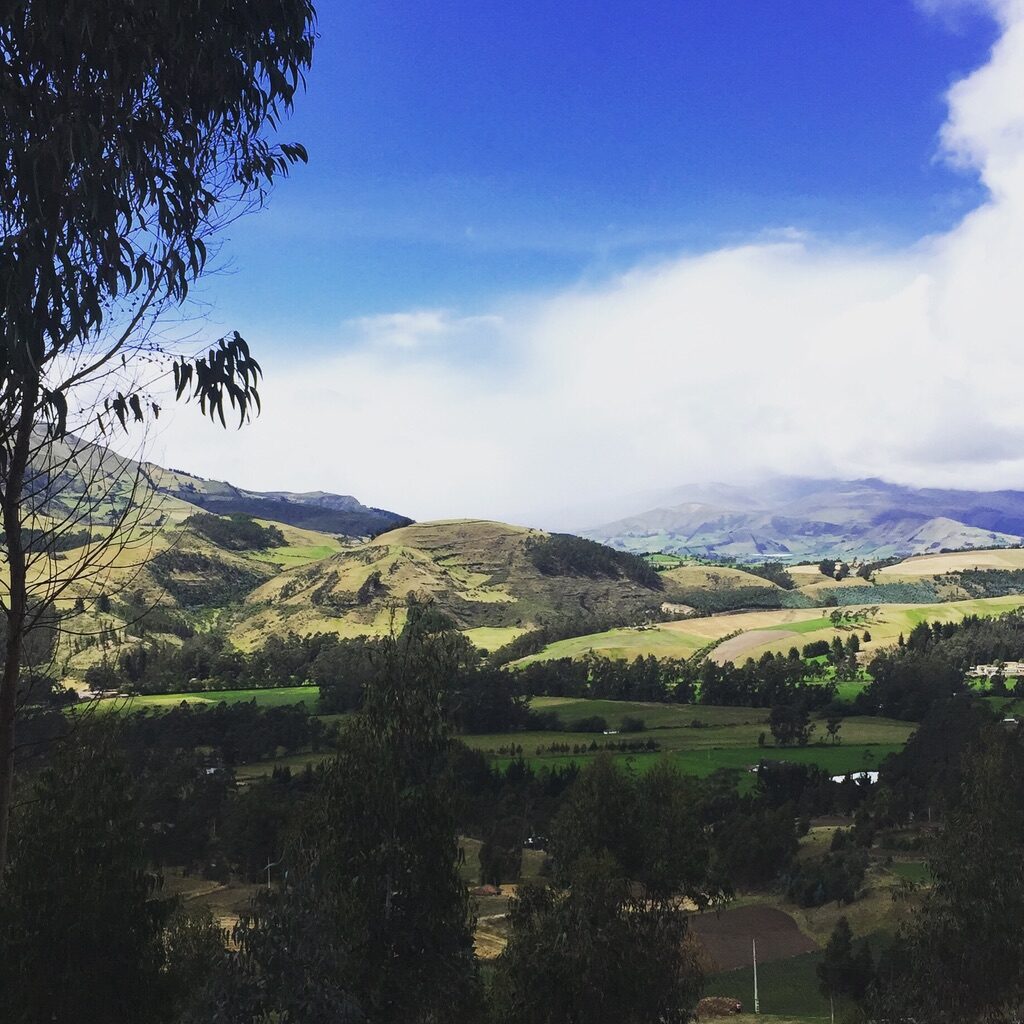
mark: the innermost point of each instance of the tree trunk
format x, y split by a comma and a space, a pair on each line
17, 610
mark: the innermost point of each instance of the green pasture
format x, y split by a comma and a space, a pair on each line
915, 871
628, 643
699, 739
786, 987
279, 696
702, 762
491, 638
655, 716
298, 554
724, 737
296, 762
662, 560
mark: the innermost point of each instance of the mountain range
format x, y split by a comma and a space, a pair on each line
311, 510
795, 518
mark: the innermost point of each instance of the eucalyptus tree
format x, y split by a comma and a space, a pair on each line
960, 956
131, 132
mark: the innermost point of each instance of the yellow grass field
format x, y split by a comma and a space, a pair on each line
776, 630
955, 561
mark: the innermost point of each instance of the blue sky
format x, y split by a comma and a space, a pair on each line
547, 255
464, 150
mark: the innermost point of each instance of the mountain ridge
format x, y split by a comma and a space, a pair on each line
804, 518
323, 511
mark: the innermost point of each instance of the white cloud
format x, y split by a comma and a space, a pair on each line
781, 356
420, 327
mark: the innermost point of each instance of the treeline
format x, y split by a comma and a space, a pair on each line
929, 666
207, 661
368, 916
989, 582
727, 599
235, 532
51, 541
563, 554
772, 679
775, 572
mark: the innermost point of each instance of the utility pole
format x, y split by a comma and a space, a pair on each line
757, 1002
272, 865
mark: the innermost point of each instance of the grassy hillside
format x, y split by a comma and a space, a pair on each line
163, 581
489, 577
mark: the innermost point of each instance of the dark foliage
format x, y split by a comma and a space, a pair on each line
81, 919
197, 580
836, 876
236, 532
775, 572
562, 554
728, 599
594, 952
961, 956
754, 845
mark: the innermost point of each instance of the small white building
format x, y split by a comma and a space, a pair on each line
869, 777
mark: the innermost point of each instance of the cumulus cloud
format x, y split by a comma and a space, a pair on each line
785, 355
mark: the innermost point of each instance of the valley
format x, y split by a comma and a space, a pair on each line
248, 627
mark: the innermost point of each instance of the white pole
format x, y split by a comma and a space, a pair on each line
757, 1002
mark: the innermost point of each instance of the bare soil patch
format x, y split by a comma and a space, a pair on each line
727, 936
733, 649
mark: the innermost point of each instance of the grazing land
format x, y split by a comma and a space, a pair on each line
956, 561
751, 634
280, 696
699, 739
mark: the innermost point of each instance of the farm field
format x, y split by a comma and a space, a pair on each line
790, 938
956, 561
279, 696
490, 638
788, 987
775, 630
724, 737
628, 642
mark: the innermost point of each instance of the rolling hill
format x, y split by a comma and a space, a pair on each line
207, 556
794, 519
496, 581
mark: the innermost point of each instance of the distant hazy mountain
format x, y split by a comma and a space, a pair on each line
798, 518
312, 510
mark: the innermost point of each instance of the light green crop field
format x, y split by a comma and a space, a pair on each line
299, 554
629, 643
655, 716
280, 696
490, 638
776, 630
699, 739
836, 760
726, 737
